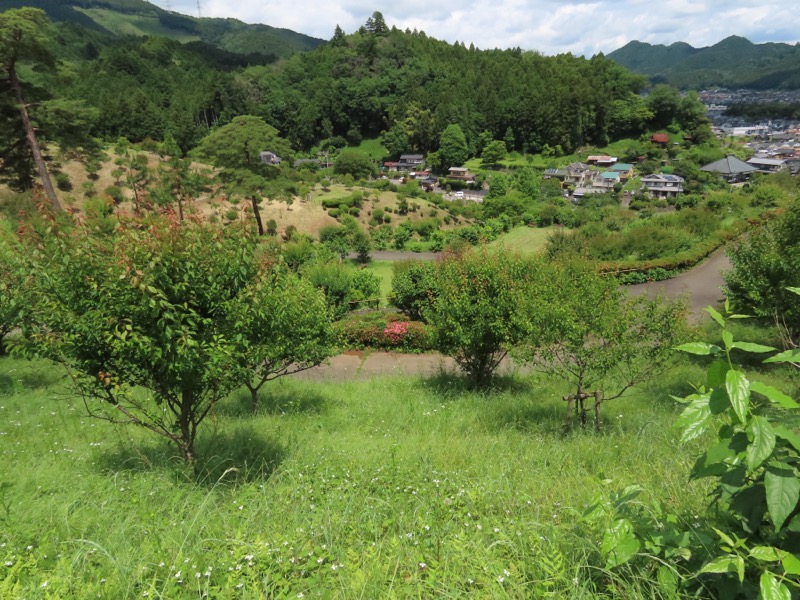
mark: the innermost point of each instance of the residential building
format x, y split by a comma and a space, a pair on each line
270, 158
661, 185
410, 162
606, 180
460, 173
731, 168
768, 165
625, 170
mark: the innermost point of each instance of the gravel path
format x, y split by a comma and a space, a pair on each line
702, 284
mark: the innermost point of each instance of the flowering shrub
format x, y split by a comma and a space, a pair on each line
384, 331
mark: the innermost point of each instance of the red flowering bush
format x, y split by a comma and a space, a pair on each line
383, 331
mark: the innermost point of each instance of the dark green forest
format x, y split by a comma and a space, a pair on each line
375, 80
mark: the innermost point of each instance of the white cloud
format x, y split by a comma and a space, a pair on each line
549, 26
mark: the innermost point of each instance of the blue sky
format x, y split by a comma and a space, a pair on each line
549, 26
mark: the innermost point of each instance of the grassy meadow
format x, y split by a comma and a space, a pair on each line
384, 488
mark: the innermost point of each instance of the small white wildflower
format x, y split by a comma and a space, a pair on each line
500, 579
9, 563
422, 565
178, 575
44, 584
506, 573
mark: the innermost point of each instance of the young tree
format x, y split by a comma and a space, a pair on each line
153, 324
282, 327
595, 337
482, 308
453, 150
23, 37
239, 144
765, 264
354, 163
493, 153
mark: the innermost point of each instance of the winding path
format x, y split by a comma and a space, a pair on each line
702, 284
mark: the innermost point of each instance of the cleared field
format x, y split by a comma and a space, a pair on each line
525, 240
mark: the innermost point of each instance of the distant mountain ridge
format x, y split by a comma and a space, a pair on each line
139, 18
734, 62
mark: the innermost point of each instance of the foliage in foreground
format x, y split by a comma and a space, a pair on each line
158, 322
748, 547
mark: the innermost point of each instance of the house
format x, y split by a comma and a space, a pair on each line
768, 165
625, 170
606, 180
732, 169
601, 160
576, 174
660, 185
662, 139
410, 162
793, 164
580, 192
270, 158
460, 173
391, 166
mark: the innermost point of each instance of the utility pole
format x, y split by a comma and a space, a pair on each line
199, 12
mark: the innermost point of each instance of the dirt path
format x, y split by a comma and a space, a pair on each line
702, 284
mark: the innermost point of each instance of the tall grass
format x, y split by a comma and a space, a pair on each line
391, 487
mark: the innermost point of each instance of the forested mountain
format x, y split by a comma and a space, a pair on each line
735, 62
378, 79
141, 18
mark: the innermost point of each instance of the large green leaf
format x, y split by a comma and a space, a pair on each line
700, 348
721, 564
694, 418
787, 434
772, 589
619, 543
773, 395
791, 564
715, 315
783, 493
738, 388
750, 347
762, 444
792, 356
716, 373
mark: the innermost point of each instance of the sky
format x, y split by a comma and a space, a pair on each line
548, 26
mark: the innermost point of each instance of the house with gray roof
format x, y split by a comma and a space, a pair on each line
731, 168
662, 185
768, 165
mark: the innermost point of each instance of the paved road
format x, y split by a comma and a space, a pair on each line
702, 284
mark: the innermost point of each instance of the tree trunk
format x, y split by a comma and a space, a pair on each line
187, 431
38, 159
257, 213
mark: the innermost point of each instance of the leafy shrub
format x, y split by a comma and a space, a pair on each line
63, 182
412, 286
383, 331
231, 214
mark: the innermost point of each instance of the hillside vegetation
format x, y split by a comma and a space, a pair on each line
734, 62
141, 18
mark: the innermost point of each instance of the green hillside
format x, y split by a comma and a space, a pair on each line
733, 62
141, 18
